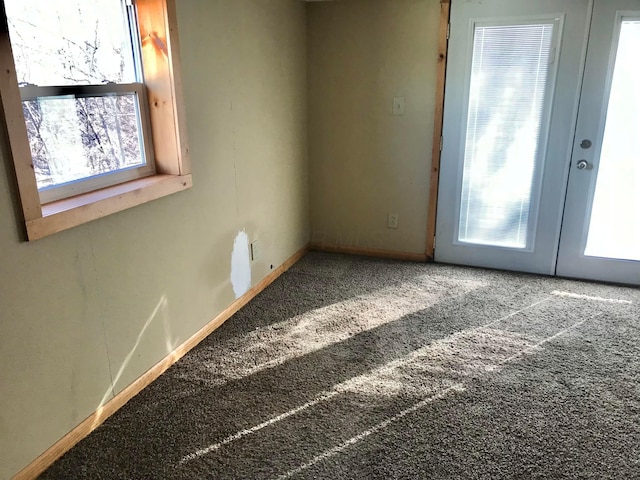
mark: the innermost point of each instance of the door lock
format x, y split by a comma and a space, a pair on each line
586, 143
582, 165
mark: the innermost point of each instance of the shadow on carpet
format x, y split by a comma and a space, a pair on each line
350, 367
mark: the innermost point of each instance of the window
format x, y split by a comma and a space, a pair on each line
82, 93
92, 91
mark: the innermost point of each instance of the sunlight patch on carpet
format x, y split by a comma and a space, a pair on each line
248, 431
375, 429
429, 373
578, 296
380, 427
317, 329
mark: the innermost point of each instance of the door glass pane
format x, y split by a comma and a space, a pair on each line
510, 68
614, 230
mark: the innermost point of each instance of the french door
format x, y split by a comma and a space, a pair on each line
600, 237
540, 167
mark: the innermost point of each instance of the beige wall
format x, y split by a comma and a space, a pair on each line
87, 311
363, 161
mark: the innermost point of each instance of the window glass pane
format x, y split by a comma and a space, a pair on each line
75, 138
67, 42
509, 73
614, 231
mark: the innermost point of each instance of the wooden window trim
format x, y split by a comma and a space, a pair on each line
158, 29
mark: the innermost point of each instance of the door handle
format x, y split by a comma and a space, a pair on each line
582, 165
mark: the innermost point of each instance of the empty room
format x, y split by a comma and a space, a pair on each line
288, 239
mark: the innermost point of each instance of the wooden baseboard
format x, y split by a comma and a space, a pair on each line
370, 252
63, 445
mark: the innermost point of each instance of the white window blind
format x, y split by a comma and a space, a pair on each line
509, 77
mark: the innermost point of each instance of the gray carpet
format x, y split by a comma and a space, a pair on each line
349, 367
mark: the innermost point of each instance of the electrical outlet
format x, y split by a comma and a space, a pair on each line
254, 251
392, 220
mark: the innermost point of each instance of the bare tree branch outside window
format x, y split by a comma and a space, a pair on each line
75, 42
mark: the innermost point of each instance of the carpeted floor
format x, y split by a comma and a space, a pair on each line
349, 367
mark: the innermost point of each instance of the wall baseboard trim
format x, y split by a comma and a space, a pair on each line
46, 459
370, 252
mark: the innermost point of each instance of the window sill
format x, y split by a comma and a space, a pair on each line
71, 212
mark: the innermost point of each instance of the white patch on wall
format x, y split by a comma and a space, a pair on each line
241, 265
